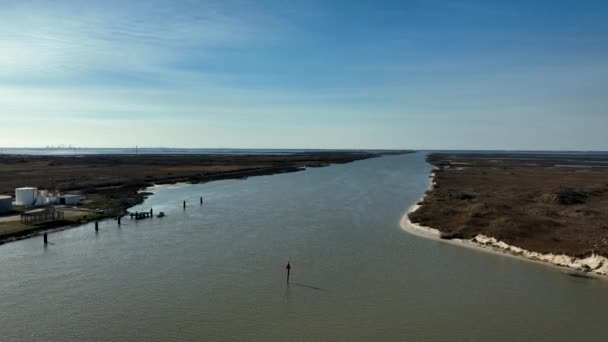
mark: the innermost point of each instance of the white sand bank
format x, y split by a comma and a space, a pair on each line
593, 265
165, 186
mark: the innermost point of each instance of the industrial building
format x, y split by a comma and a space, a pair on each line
6, 204
69, 199
31, 197
45, 198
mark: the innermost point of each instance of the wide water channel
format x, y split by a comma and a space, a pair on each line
216, 272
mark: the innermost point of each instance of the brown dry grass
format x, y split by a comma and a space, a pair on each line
525, 201
113, 181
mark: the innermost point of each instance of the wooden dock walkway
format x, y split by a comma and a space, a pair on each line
141, 215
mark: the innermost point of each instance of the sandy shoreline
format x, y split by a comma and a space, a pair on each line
596, 266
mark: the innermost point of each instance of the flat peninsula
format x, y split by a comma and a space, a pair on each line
110, 184
544, 206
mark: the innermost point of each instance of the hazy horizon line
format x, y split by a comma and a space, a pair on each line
300, 149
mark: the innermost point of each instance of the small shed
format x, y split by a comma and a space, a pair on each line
6, 204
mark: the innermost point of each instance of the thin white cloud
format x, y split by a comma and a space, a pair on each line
52, 39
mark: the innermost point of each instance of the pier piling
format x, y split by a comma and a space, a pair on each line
201, 201
46, 239
119, 220
184, 204
96, 225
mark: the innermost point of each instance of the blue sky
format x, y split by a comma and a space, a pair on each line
433, 74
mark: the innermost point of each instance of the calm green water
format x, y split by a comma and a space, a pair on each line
216, 273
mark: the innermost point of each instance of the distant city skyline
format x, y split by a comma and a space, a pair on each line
499, 75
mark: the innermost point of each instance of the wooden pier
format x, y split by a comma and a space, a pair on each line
141, 215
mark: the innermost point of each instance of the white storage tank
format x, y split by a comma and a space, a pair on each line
41, 201
51, 200
69, 199
6, 204
25, 196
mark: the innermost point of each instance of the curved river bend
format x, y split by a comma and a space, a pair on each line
217, 272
